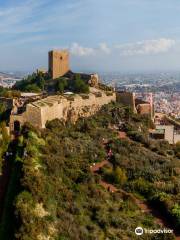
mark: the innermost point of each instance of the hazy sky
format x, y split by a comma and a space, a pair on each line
102, 35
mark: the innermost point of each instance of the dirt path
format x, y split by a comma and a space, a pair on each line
159, 218
111, 188
97, 166
145, 207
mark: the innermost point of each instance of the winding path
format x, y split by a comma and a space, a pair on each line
144, 206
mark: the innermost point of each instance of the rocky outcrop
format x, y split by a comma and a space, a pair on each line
75, 113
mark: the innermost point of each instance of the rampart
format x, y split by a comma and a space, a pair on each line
65, 107
127, 99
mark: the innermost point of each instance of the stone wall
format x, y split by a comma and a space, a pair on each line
127, 99
169, 132
176, 138
21, 118
144, 109
67, 108
33, 115
56, 110
58, 63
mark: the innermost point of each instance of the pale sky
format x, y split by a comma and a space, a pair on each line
101, 35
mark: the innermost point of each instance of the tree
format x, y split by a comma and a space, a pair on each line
61, 85
176, 212
2, 108
32, 88
41, 83
5, 134
79, 85
120, 176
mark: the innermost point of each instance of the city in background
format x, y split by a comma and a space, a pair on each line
165, 87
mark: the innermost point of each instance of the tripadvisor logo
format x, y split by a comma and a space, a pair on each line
139, 231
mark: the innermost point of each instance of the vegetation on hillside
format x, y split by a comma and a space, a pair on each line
61, 198
9, 93
4, 135
32, 83
38, 82
4, 141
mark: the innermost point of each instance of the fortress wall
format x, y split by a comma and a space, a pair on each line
66, 109
50, 108
127, 99
99, 101
87, 107
93, 100
176, 138
33, 115
21, 118
49, 113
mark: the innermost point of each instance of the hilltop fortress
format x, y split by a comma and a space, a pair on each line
67, 105
38, 110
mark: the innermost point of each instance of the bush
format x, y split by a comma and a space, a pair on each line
56, 172
61, 85
79, 86
176, 213
120, 176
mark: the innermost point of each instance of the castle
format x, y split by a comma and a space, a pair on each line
38, 111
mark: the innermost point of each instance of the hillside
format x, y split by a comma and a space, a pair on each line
42, 82
57, 195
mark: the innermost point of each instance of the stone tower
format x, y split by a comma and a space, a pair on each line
58, 63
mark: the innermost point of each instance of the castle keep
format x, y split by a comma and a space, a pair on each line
58, 63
